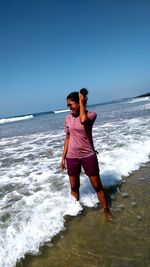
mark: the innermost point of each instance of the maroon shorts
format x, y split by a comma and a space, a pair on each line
89, 164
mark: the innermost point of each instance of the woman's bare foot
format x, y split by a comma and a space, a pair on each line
108, 215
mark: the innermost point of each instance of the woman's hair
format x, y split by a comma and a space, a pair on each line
74, 96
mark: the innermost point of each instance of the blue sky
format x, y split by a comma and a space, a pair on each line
50, 48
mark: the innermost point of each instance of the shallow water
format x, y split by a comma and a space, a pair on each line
89, 241
34, 192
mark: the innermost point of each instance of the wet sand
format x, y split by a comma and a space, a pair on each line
89, 241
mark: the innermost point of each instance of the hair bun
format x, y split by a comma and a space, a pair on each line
84, 92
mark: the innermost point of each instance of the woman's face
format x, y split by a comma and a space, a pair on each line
74, 107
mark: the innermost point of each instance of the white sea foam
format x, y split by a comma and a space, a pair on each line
7, 120
35, 193
140, 99
142, 106
127, 146
147, 106
61, 111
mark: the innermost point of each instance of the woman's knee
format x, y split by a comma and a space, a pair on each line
96, 183
74, 184
97, 188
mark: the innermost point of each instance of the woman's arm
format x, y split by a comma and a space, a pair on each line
66, 143
83, 112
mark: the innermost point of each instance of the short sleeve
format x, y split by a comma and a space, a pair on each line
92, 116
66, 126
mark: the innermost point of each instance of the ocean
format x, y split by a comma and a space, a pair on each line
34, 191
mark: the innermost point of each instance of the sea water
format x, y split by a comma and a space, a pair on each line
35, 192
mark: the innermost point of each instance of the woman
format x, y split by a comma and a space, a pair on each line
79, 149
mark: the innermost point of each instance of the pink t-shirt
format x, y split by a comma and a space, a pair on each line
80, 142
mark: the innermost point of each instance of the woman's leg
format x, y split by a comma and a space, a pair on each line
74, 170
75, 185
97, 185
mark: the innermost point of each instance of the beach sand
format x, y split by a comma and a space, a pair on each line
89, 241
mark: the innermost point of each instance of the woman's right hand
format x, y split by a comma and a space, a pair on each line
63, 164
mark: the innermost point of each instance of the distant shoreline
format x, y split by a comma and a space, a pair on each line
35, 114
144, 95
